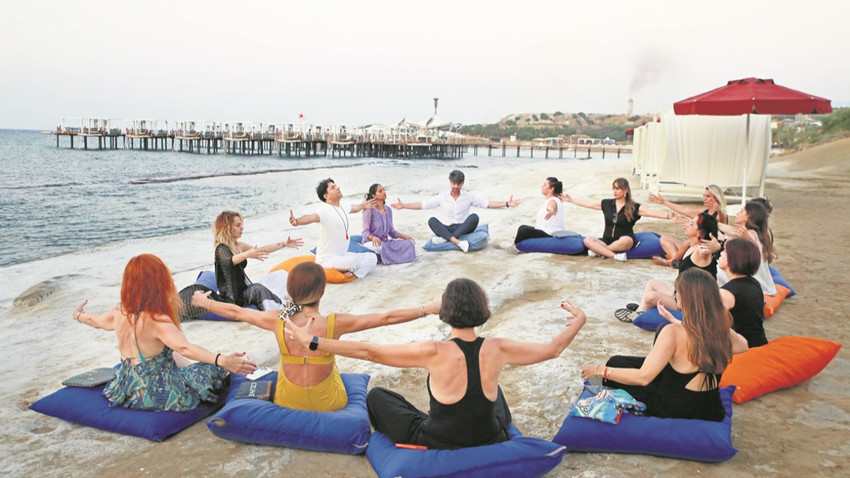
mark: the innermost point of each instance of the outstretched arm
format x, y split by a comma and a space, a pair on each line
511, 202
416, 354
303, 220
410, 205
649, 212
581, 202
349, 323
657, 359
365, 204
264, 320
515, 352
105, 321
289, 242
681, 210
171, 336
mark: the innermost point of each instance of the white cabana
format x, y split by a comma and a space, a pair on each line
680, 155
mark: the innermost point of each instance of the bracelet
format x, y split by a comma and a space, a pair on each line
422, 312
77, 317
606, 373
506, 204
209, 305
216, 359
280, 245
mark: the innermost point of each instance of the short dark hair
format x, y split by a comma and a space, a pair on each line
464, 304
373, 189
557, 186
742, 256
322, 188
457, 176
706, 226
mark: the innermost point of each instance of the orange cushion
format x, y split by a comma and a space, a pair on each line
334, 276
779, 364
771, 302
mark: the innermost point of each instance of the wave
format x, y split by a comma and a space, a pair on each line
239, 173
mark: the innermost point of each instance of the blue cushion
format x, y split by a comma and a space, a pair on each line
519, 456
88, 406
477, 240
207, 279
651, 319
264, 423
354, 245
557, 245
698, 440
778, 279
649, 244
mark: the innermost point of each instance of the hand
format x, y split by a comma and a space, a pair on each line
575, 312
257, 253
234, 363
201, 298
292, 219
738, 231
592, 370
683, 221
376, 241
663, 312
369, 203
302, 335
79, 310
293, 243
656, 198
434, 306
565, 197
397, 205
711, 245
513, 202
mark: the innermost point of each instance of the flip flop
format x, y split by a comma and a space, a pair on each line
625, 315
632, 306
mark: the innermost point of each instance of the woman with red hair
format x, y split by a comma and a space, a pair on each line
160, 369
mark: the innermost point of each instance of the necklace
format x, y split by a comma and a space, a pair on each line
342, 218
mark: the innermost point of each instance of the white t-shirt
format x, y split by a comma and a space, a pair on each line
334, 226
455, 211
554, 223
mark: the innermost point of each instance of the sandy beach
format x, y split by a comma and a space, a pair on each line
804, 430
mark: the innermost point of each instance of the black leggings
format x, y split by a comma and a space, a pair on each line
528, 232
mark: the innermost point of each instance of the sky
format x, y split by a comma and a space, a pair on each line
365, 62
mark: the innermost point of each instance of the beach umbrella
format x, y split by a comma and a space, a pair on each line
752, 96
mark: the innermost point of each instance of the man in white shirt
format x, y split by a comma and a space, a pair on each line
456, 203
332, 251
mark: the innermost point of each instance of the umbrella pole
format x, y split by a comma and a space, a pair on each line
746, 163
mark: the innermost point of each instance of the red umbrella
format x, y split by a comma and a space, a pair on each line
752, 96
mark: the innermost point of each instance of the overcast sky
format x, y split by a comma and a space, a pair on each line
359, 62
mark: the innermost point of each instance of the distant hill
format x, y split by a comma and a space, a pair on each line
527, 126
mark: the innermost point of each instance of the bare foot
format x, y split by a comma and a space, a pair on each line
661, 261
348, 274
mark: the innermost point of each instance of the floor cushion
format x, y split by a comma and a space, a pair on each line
517, 457
649, 244
697, 440
88, 406
779, 364
262, 422
556, 245
477, 240
207, 279
778, 279
772, 302
332, 275
651, 319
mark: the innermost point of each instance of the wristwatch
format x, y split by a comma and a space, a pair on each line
314, 344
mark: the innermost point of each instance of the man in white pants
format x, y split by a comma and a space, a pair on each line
332, 216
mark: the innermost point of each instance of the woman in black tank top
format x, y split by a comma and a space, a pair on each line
467, 407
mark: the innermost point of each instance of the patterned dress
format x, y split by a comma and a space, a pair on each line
159, 384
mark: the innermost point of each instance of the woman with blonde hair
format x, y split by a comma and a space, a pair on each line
620, 213
681, 375
715, 203
309, 380
156, 371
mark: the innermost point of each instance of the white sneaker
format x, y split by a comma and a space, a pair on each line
464, 246
591, 253
437, 240
512, 249
620, 256
506, 244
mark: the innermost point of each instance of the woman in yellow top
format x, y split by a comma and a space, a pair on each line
310, 380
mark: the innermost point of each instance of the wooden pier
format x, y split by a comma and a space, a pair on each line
291, 141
